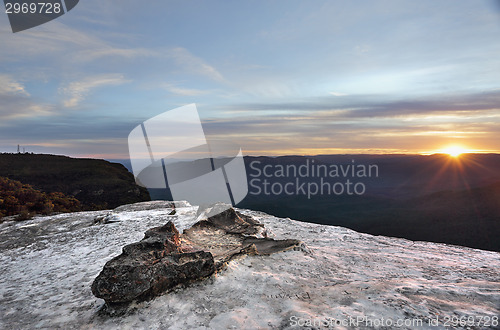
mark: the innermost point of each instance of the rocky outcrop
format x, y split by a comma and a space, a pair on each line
163, 259
151, 266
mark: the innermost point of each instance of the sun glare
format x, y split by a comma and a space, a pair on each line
454, 151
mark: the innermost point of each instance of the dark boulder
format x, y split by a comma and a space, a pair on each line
151, 266
164, 259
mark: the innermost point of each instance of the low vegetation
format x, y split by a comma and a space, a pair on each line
17, 198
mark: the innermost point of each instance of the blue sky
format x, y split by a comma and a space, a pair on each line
277, 77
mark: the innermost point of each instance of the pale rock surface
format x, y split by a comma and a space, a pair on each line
47, 265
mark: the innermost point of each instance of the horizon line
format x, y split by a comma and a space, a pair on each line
104, 157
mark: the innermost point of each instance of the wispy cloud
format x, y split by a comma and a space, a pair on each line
9, 86
389, 79
194, 64
108, 51
337, 94
59, 39
16, 102
14, 107
183, 91
371, 106
362, 122
78, 90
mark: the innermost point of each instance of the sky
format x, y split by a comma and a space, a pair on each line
276, 77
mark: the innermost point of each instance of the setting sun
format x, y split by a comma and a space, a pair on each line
454, 151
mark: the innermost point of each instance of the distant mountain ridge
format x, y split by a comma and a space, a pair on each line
435, 198
406, 176
96, 183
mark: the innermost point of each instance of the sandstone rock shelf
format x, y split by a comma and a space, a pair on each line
49, 263
164, 259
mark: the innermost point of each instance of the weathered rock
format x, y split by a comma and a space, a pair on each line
236, 223
225, 217
153, 265
105, 219
226, 236
152, 205
164, 259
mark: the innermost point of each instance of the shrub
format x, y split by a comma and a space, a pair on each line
24, 200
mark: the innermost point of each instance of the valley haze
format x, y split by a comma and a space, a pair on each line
418, 197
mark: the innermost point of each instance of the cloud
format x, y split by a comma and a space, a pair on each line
66, 51
371, 106
16, 102
337, 94
477, 102
78, 90
59, 39
183, 91
75, 133
360, 122
108, 51
9, 86
45, 40
181, 57
194, 64
303, 134
14, 107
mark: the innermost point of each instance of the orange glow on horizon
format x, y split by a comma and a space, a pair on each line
455, 151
